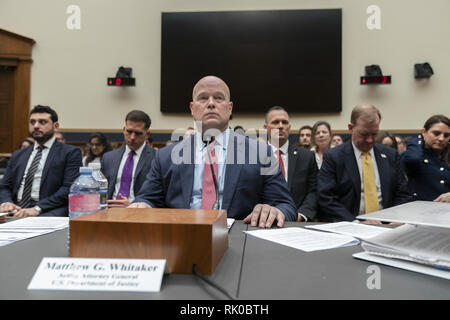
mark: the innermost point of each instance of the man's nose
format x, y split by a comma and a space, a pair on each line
211, 102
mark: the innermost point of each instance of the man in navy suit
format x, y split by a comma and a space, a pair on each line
250, 185
299, 165
340, 181
126, 167
38, 178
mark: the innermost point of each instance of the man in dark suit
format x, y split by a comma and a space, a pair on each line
360, 176
250, 185
298, 165
126, 167
38, 178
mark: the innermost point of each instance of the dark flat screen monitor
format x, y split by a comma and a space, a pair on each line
288, 58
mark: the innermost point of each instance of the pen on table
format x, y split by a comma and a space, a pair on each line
10, 213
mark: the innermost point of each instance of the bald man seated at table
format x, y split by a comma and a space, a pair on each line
250, 185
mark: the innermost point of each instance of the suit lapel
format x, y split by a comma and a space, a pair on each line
292, 161
383, 170
186, 168
142, 160
352, 167
51, 155
23, 165
233, 168
115, 164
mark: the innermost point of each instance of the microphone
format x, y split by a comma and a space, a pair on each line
207, 138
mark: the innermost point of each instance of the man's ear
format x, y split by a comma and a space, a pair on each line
56, 125
350, 127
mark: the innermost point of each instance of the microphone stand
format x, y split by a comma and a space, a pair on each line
216, 187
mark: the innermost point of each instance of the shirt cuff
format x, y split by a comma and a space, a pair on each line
305, 218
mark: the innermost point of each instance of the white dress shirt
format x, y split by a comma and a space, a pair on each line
284, 156
220, 147
136, 158
359, 158
36, 186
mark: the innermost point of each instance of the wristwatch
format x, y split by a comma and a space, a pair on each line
38, 209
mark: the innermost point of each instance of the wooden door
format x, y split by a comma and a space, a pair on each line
6, 109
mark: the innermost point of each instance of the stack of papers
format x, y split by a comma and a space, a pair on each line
30, 227
328, 236
421, 244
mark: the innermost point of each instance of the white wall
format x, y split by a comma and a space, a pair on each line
71, 66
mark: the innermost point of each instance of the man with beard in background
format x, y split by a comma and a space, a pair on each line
38, 178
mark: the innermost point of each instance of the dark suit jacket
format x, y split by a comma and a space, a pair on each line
339, 183
111, 162
60, 170
428, 175
302, 180
170, 182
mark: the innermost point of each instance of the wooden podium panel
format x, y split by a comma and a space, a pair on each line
183, 237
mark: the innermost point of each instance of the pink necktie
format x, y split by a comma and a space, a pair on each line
208, 189
280, 160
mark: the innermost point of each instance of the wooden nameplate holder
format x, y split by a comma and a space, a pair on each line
183, 237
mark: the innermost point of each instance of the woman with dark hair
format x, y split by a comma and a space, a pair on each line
387, 139
321, 140
98, 145
427, 159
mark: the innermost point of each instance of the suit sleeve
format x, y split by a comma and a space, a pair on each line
411, 159
331, 208
309, 204
152, 190
7, 182
73, 162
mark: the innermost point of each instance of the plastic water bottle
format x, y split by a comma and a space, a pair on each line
102, 182
84, 196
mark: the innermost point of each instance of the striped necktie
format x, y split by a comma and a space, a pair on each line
26, 194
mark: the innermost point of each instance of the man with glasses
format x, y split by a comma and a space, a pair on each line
126, 168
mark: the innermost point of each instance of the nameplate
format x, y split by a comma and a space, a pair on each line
91, 274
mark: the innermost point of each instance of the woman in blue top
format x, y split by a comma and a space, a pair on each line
426, 161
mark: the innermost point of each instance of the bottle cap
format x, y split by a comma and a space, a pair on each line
85, 170
95, 165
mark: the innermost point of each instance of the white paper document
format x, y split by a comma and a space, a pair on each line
92, 274
305, 240
37, 223
427, 213
353, 229
230, 222
30, 227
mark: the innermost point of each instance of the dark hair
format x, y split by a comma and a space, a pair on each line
139, 116
305, 127
272, 109
314, 129
439, 118
45, 109
387, 134
103, 141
